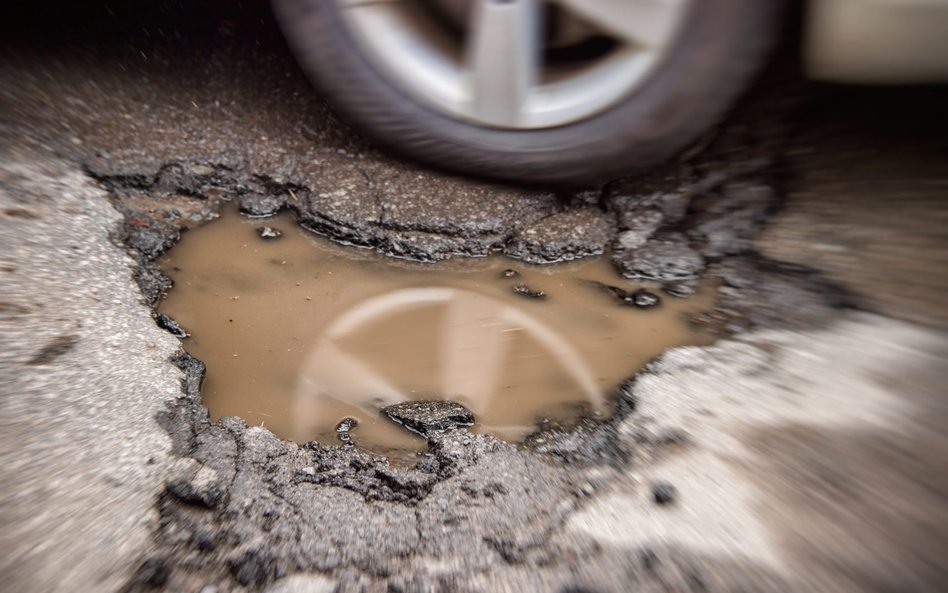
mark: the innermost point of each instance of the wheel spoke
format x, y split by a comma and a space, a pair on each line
503, 55
648, 23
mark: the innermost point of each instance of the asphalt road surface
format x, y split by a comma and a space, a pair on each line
803, 451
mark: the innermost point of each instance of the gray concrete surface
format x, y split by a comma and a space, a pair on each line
81, 456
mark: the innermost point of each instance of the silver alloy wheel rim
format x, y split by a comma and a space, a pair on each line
496, 78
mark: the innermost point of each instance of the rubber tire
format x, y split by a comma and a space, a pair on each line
722, 45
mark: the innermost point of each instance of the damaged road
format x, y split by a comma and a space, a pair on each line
751, 464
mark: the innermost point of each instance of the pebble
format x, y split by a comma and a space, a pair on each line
663, 493
269, 233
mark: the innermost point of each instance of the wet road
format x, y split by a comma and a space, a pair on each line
805, 452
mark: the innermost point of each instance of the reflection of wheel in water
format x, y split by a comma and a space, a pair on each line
472, 351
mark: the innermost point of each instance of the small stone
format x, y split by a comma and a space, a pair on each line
269, 233
428, 417
171, 325
641, 298
346, 424
663, 493
343, 428
510, 273
524, 290
644, 299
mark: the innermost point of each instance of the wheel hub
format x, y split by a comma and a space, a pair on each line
516, 64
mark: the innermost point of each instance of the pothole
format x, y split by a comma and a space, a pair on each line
300, 334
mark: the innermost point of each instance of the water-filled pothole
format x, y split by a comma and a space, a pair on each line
299, 333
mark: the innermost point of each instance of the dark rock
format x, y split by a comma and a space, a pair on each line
171, 325
346, 424
577, 233
343, 429
269, 233
663, 493
509, 273
261, 205
427, 417
524, 290
662, 260
640, 298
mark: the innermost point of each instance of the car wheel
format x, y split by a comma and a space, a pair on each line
536, 91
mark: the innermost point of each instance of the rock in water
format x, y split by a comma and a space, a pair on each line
427, 417
269, 233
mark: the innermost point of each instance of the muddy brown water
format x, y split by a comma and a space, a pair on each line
299, 333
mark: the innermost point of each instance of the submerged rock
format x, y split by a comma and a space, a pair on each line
524, 290
345, 426
427, 417
641, 298
269, 233
644, 299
